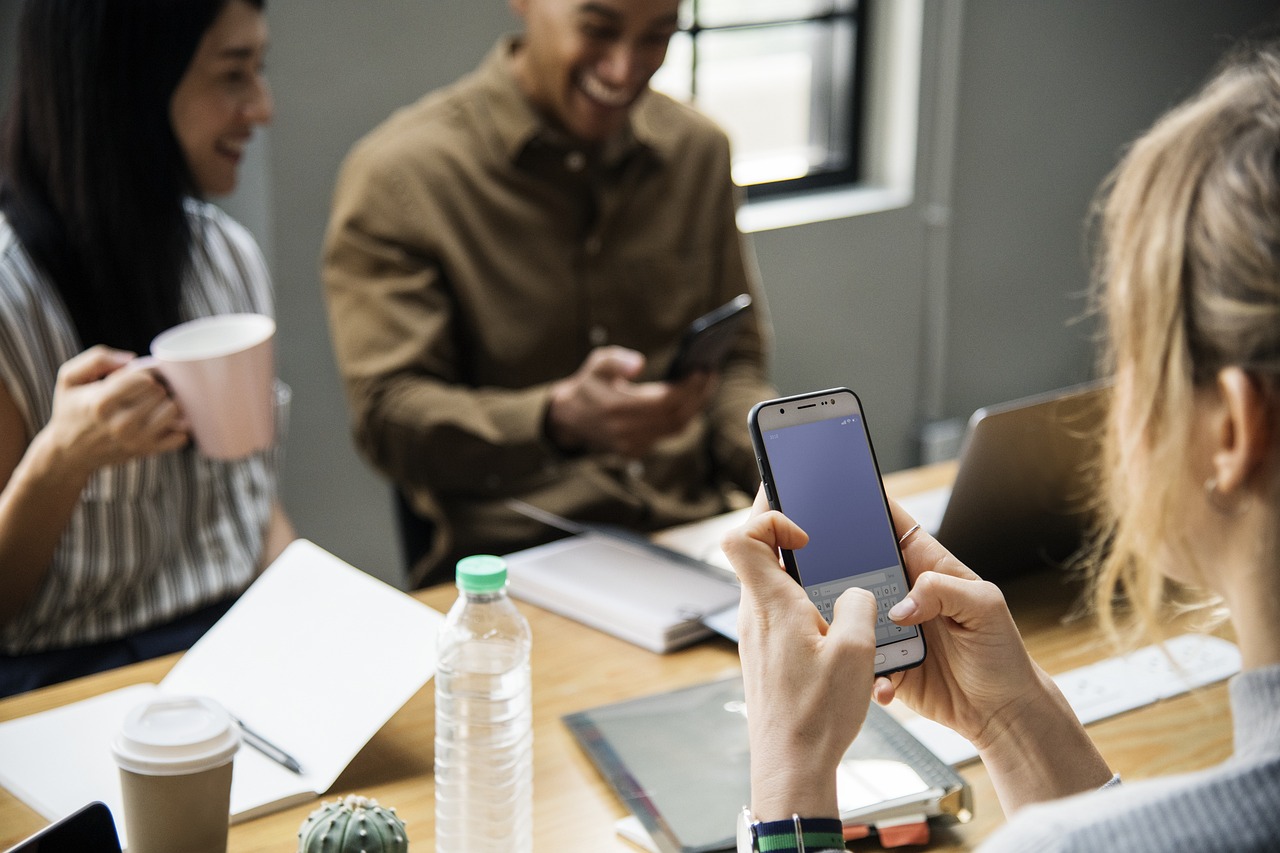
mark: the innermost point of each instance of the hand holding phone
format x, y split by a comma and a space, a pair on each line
818, 467
707, 340
604, 407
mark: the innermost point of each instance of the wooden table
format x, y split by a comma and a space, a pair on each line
575, 667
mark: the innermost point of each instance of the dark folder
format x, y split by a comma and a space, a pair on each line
679, 762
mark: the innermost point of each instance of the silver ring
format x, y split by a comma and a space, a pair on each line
908, 535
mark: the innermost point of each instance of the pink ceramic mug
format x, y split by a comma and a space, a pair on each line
221, 371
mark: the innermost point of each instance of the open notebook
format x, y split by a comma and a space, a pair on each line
316, 656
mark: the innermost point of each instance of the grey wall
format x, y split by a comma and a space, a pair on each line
1047, 93
1050, 93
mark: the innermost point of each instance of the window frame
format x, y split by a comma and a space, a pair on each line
855, 18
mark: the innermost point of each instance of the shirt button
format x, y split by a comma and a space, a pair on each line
598, 336
575, 161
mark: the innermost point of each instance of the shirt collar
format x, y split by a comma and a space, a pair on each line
516, 123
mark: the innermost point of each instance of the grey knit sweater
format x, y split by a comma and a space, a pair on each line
1234, 806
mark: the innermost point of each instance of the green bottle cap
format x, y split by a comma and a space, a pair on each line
482, 573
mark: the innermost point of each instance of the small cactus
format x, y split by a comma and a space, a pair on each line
352, 825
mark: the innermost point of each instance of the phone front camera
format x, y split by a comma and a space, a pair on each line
782, 411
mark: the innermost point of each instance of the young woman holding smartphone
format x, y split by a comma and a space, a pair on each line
1189, 289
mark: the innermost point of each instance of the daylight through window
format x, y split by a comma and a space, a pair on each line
780, 76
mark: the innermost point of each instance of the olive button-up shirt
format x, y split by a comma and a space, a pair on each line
475, 256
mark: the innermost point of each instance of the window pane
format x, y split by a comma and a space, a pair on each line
780, 83
716, 13
782, 94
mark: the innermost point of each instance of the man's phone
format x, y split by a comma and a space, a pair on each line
818, 467
707, 340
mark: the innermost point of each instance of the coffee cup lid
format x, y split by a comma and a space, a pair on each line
175, 735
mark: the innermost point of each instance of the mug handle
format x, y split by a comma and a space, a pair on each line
142, 362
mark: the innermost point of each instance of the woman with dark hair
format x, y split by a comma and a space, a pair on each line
118, 541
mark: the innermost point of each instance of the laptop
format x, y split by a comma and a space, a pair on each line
1026, 486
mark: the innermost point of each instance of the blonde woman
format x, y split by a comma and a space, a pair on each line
1188, 283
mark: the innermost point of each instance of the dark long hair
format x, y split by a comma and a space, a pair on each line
92, 178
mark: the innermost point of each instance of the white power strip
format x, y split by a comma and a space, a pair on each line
1114, 685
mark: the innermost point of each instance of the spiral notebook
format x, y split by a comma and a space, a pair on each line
648, 596
678, 761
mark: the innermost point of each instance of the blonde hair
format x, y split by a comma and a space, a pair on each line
1187, 282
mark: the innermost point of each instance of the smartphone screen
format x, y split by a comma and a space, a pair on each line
818, 467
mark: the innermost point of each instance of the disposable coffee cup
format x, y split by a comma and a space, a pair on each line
175, 757
221, 371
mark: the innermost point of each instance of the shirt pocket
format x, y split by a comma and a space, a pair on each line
656, 300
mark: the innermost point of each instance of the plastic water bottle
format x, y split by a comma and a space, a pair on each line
484, 718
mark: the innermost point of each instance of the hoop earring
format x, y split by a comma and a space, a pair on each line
1221, 504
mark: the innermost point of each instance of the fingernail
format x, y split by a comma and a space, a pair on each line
904, 609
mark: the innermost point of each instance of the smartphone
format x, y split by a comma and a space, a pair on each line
818, 467
88, 830
707, 340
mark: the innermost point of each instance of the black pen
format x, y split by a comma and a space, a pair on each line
269, 749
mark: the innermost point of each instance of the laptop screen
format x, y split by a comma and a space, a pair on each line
1025, 491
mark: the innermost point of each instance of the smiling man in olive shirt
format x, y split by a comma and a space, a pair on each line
509, 266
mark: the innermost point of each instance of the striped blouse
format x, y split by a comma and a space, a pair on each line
155, 538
